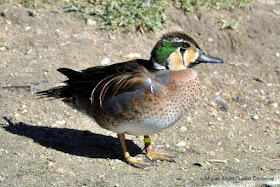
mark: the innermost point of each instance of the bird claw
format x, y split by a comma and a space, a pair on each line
154, 156
139, 162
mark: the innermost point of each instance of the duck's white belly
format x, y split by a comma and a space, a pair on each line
148, 126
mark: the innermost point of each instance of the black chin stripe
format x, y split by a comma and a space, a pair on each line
182, 51
191, 65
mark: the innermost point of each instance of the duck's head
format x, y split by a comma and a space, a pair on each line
177, 51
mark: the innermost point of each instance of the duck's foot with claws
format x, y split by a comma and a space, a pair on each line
153, 155
138, 162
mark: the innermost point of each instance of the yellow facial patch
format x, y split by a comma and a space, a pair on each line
176, 61
191, 55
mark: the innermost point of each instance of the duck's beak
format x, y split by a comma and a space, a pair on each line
204, 58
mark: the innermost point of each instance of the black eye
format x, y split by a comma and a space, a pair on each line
185, 45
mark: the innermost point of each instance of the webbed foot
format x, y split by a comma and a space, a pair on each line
139, 162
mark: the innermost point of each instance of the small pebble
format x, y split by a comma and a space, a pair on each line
218, 161
3, 48
275, 105
146, 3
112, 36
255, 117
62, 122
75, 36
132, 55
181, 144
60, 170
27, 28
269, 84
2, 179
215, 73
94, 41
262, 167
236, 160
211, 153
221, 103
276, 12
71, 173
31, 13
91, 22
277, 54
105, 61
29, 51
8, 22
66, 43
258, 79
39, 32
270, 183
183, 129
210, 39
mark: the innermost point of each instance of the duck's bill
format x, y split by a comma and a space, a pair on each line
204, 58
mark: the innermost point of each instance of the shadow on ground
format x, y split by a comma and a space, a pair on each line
71, 141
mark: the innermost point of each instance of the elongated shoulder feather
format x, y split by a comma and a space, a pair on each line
125, 82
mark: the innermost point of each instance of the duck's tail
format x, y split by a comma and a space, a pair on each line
54, 93
59, 92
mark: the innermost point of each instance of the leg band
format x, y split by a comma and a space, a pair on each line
147, 140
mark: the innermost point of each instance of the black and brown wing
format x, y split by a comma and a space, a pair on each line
83, 82
98, 83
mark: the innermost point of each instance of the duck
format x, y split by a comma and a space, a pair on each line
138, 97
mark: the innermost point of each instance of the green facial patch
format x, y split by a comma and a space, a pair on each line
163, 52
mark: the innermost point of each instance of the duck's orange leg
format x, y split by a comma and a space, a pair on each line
136, 162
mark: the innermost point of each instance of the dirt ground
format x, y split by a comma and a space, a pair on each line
230, 138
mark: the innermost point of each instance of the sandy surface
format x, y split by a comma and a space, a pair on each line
230, 137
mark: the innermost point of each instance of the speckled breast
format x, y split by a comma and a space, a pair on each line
153, 107
182, 89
